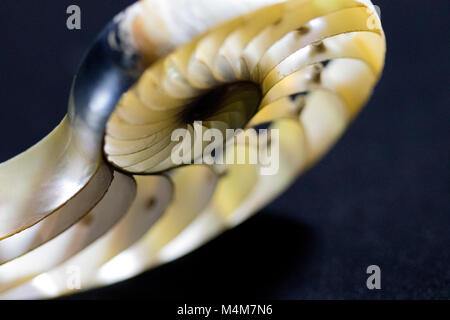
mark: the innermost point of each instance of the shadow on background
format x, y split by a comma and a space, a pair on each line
251, 261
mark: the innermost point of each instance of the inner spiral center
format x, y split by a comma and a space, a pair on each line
238, 102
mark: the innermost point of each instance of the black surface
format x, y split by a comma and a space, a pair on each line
381, 196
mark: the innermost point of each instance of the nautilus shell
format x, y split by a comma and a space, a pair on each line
102, 194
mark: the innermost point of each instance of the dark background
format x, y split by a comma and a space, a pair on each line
381, 196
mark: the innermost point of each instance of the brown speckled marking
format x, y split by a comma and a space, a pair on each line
301, 106
303, 30
317, 73
146, 47
223, 173
87, 220
151, 202
299, 101
318, 47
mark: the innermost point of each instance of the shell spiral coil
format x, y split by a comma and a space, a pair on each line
101, 193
